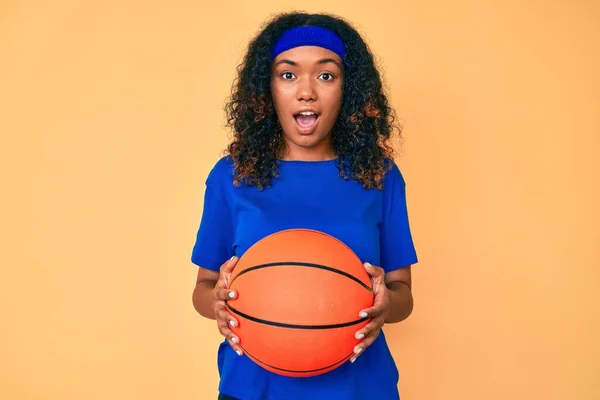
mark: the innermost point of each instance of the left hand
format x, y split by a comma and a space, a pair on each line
377, 313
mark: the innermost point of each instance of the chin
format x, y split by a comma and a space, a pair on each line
308, 141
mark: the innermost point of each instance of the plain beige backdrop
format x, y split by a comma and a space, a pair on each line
111, 117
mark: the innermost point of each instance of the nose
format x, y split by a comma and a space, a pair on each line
306, 90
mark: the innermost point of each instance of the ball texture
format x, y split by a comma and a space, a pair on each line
299, 293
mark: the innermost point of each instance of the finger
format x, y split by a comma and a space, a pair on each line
359, 348
228, 266
378, 307
227, 318
232, 338
227, 333
372, 326
225, 294
235, 348
234, 343
373, 271
372, 312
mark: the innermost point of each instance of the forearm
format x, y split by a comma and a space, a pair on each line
400, 302
203, 298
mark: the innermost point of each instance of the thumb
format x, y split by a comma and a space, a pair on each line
376, 274
372, 270
226, 270
229, 265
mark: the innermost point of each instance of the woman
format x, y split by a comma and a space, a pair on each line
310, 150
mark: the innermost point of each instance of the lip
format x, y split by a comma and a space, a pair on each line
307, 109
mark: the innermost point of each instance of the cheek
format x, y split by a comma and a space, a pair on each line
277, 105
334, 103
279, 101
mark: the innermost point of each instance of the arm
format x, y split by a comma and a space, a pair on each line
209, 296
203, 297
213, 244
399, 293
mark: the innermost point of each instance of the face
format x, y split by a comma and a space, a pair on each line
306, 86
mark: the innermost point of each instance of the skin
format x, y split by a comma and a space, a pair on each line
307, 76
312, 77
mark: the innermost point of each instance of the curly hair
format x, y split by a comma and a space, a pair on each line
360, 135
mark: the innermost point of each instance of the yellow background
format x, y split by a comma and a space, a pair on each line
111, 117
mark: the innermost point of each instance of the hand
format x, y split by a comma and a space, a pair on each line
378, 312
221, 294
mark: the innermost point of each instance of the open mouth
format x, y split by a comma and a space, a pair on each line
306, 121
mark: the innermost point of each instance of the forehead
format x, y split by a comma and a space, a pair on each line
307, 55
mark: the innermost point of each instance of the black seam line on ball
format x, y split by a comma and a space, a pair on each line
293, 326
297, 370
303, 264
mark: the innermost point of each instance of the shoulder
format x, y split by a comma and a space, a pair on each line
393, 176
221, 172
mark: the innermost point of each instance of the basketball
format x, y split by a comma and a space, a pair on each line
299, 295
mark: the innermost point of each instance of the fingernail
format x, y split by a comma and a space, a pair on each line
239, 353
232, 257
368, 264
353, 359
360, 336
358, 350
232, 323
363, 314
234, 339
232, 295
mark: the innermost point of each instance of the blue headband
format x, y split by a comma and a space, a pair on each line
309, 36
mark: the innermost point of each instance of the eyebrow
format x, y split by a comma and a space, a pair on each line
323, 61
330, 60
290, 62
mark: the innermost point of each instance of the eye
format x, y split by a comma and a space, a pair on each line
326, 76
287, 75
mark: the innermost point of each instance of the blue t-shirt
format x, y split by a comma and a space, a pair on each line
307, 194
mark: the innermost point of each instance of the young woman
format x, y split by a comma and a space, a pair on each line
310, 150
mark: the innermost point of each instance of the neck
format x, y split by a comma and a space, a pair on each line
297, 153
307, 155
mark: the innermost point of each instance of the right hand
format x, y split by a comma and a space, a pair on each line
221, 294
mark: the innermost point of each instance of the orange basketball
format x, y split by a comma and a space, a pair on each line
299, 295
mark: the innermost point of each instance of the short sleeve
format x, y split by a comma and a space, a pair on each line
214, 238
397, 247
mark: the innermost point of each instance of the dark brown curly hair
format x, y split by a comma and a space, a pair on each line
360, 135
